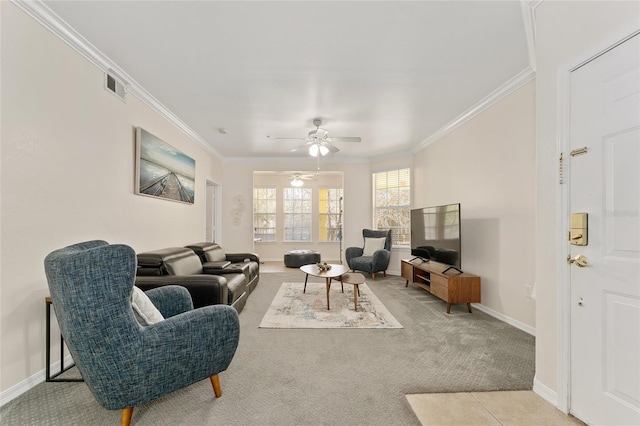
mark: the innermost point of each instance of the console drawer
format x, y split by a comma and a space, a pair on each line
440, 286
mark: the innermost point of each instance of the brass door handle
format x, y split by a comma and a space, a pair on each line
579, 260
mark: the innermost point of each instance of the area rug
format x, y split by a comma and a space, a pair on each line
291, 308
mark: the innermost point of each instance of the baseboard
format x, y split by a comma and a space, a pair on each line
15, 391
502, 317
545, 392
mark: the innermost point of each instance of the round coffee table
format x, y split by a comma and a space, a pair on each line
334, 272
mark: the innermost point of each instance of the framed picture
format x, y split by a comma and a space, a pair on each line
162, 171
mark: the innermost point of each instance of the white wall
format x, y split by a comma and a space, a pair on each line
567, 33
67, 175
488, 166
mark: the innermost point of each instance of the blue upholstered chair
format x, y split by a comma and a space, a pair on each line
373, 256
124, 363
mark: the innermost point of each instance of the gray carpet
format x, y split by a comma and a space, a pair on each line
323, 376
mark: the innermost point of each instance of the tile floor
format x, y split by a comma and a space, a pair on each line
516, 408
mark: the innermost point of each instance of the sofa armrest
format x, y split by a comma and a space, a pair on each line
240, 257
204, 289
170, 300
220, 264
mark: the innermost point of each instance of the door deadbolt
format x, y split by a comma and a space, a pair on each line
579, 228
579, 260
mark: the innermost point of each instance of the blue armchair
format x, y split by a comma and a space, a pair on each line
124, 363
374, 256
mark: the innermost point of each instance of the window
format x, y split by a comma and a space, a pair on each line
392, 204
330, 214
264, 214
297, 214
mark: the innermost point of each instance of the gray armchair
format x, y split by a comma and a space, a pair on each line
375, 254
124, 363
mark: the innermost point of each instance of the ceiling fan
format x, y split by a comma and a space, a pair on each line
297, 179
319, 143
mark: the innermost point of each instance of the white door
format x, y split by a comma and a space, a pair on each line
605, 183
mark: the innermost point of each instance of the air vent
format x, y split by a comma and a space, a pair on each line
114, 85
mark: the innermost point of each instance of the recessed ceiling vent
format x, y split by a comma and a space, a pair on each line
114, 85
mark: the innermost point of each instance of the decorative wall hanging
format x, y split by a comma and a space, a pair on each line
238, 209
162, 171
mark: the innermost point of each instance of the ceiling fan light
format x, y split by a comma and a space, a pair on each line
297, 182
313, 150
323, 150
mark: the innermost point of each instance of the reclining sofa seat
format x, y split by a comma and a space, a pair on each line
216, 261
181, 266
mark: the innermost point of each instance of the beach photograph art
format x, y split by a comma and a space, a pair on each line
162, 171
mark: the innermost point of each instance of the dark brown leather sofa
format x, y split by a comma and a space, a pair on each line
216, 261
208, 284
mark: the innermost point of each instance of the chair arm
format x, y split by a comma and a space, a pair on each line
204, 289
170, 300
380, 261
240, 257
352, 252
175, 353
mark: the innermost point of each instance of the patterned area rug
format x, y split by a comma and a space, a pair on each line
291, 308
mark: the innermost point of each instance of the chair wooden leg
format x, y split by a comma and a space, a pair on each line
215, 381
373, 276
127, 413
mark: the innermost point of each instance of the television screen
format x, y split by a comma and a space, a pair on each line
435, 234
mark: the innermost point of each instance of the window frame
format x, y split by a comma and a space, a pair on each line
337, 198
298, 217
403, 174
256, 214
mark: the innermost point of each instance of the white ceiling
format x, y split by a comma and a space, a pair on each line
393, 73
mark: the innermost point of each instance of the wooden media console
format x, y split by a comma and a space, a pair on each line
450, 286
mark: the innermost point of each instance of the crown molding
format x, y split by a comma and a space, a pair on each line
529, 21
510, 86
37, 10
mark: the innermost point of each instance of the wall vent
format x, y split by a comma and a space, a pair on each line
114, 85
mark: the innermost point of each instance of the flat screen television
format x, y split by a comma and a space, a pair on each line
435, 234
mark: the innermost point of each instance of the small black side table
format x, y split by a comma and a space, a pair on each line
49, 377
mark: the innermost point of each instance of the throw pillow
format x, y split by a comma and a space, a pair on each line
371, 245
145, 312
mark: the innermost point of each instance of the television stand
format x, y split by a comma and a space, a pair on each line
433, 277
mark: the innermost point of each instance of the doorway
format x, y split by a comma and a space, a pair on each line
212, 211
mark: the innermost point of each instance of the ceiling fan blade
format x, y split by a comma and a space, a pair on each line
301, 147
292, 139
344, 139
332, 148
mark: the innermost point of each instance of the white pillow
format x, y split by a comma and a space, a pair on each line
143, 308
371, 245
